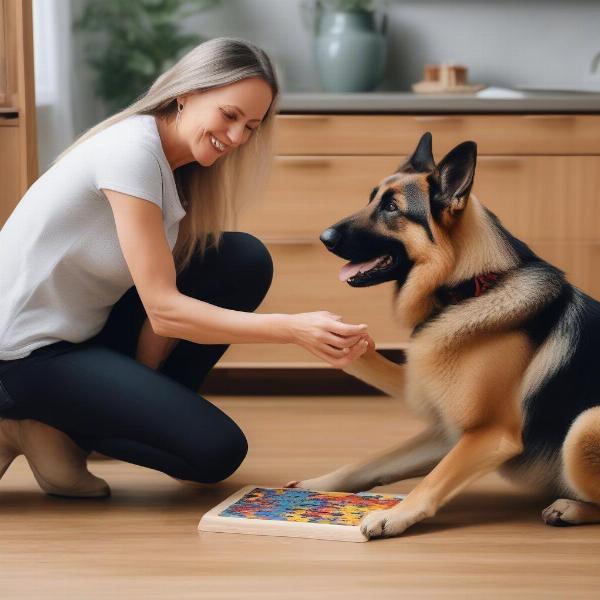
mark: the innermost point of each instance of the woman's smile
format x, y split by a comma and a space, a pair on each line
216, 143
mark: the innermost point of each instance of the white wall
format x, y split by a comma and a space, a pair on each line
505, 42
510, 42
52, 66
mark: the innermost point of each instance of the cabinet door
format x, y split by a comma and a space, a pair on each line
3, 58
18, 147
9, 165
543, 198
579, 261
552, 203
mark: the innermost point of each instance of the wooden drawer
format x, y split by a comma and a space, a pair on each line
307, 194
579, 261
538, 198
398, 134
306, 279
543, 198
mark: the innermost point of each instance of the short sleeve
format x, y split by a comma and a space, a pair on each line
130, 169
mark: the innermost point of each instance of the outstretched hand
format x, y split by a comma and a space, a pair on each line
325, 335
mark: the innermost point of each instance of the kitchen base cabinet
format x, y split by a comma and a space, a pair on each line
540, 174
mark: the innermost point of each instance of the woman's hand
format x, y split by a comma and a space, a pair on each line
325, 335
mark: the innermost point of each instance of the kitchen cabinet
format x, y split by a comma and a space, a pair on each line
540, 173
18, 145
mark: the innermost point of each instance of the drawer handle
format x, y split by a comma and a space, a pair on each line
304, 118
542, 117
436, 118
295, 162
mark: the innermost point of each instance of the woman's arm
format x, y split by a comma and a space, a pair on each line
140, 230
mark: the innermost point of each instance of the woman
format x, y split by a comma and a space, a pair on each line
120, 290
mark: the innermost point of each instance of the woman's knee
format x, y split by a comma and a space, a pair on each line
249, 264
235, 275
222, 456
251, 255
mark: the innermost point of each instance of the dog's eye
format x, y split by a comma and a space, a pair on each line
390, 206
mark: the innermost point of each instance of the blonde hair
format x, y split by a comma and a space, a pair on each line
212, 196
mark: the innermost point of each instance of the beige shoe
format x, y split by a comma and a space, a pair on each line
58, 464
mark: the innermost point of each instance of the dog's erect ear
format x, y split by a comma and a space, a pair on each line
421, 160
454, 177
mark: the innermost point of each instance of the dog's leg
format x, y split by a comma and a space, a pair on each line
581, 469
410, 459
483, 401
413, 458
378, 371
477, 452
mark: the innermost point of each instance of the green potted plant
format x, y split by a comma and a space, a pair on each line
132, 43
349, 42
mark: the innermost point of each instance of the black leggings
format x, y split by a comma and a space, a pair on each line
105, 400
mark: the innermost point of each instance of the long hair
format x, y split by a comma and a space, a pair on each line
212, 195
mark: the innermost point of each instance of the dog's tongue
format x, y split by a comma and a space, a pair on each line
350, 269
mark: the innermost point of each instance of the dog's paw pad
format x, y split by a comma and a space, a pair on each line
561, 513
375, 525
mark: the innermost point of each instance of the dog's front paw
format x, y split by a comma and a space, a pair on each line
304, 485
318, 484
389, 523
382, 523
293, 484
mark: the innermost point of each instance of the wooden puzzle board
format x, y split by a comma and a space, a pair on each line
295, 512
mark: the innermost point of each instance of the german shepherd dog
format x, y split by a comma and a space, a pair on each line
502, 355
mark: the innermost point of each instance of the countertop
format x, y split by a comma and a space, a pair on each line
404, 102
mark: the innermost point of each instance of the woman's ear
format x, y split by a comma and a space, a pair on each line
453, 178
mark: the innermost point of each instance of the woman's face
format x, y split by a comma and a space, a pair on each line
217, 121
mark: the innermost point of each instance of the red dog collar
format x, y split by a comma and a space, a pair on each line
470, 288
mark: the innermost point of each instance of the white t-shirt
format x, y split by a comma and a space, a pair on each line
61, 265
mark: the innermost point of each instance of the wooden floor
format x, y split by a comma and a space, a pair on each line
142, 543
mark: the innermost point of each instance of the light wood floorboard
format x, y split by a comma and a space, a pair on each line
142, 543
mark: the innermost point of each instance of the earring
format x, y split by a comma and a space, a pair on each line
179, 109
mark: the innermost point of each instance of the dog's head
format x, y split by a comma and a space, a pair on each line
406, 214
